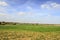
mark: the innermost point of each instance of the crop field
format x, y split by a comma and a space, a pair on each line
30, 32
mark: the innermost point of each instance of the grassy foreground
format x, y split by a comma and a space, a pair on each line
29, 32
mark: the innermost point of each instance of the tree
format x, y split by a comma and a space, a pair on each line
0, 23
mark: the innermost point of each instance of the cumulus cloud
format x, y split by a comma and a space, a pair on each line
55, 5
50, 5
2, 3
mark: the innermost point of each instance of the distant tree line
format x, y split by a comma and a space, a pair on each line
5, 23
13, 23
34, 24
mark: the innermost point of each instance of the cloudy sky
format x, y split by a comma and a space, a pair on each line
30, 11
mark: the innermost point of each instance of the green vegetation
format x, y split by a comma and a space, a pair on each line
25, 31
31, 27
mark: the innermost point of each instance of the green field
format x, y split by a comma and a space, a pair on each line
29, 32
29, 27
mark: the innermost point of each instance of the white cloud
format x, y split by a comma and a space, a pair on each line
45, 6
21, 13
55, 5
50, 5
3, 14
30, 14
6, 16
2, 3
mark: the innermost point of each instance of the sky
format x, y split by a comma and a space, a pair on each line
30, 11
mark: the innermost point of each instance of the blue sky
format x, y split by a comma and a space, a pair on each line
30, 11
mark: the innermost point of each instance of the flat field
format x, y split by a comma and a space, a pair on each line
30, 32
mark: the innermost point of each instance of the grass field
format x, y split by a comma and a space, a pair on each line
29, 32
29, 27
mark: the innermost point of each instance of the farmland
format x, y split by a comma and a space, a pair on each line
31, 27
30, 32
